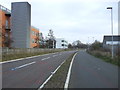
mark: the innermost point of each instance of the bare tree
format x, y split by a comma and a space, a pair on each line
51, 42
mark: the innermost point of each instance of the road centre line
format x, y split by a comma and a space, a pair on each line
55, 55
25, 58
60, 54
23, 66
52, 73
45, 58
15, 60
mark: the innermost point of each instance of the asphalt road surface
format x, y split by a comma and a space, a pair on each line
91, 72
31, 73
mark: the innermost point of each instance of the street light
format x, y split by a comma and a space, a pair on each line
88, 43
111, 29
93, 39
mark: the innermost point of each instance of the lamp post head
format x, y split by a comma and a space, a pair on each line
109, 7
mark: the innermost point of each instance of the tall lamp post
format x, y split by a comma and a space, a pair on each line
111, 30
88, 43
93, 39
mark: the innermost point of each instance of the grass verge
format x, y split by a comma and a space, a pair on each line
21, 55
106, 58
7, 57
59, 78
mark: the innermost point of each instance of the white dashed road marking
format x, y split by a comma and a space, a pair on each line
45, 58
23, 66
54, 55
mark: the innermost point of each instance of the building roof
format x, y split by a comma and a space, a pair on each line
109, 38
5, 9
34, 27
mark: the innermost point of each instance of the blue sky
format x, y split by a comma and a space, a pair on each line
73, 19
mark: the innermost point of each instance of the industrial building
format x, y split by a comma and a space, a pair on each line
107, 42
21, 23
119, 18
61, 43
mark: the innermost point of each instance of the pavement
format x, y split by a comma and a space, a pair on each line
90, 72
31, 72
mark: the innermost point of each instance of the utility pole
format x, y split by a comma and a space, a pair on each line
88, 43
93, 39
112, 51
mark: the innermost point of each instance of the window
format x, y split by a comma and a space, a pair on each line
6, 34
6, 23
0, 34
62, 40
32, 32
33, 41
110, 42
62, 44
37, 34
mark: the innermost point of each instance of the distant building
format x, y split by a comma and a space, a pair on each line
34, 40
5, 29
61, 43
107, 42
21, 24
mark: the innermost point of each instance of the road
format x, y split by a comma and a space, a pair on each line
90, 72
32, 72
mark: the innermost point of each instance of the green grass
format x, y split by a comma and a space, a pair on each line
7, 57
59, 78
16, 56
106, 58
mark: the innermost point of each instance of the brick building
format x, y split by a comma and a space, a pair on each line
15, 27
34, 37
5, 29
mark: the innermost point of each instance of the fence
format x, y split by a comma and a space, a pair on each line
30, 50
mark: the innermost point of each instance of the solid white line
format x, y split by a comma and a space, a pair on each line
45, 58
24, 58
50, 76
23, 66
69, 72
